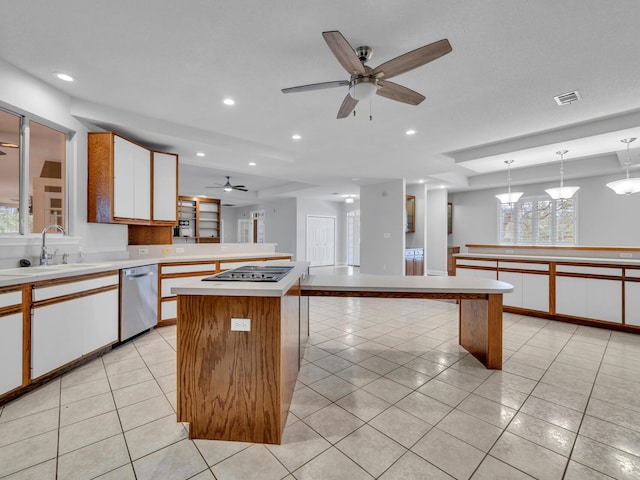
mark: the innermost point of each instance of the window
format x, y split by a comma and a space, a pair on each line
37, 198
538, 221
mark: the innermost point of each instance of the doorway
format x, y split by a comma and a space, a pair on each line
321, 240
353, 238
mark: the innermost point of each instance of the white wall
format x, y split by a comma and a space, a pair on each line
22, 93
604, 218
308, 206
382, 228
436, 253
279, 223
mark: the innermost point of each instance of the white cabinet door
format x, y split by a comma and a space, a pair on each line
131, 180
512, 299
632, 303
123, 179
165, 194
10, 352
56, 336
571, 296
604, 300
64, 331
535, 292
142, 185
100, 322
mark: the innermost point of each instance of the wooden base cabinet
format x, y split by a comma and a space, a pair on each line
232, 385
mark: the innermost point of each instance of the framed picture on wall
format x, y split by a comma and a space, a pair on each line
449, 218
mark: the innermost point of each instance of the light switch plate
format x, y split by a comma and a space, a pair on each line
240, 324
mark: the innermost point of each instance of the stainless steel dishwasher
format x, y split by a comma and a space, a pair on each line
138, 300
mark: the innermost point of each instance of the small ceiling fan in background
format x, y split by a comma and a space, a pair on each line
227, 187
365, 81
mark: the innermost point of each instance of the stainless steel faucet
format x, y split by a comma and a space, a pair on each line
44, 256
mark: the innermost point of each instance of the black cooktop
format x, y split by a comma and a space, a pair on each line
251, 273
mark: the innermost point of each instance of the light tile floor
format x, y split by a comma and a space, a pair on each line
384, 392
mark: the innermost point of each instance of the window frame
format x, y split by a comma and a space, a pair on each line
519, 209
24, 137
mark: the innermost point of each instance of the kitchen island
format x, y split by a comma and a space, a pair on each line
237, 385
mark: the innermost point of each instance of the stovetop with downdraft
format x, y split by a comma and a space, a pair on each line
251, 273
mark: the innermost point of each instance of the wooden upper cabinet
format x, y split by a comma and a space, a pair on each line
410, 208
130, 184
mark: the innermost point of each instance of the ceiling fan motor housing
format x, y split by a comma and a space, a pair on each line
364, 53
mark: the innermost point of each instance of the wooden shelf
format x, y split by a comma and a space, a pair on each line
198, 215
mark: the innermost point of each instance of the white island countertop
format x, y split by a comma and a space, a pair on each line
246, 288
403, 284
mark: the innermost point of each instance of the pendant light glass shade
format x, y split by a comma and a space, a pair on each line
626, 186
562, 192
509, 197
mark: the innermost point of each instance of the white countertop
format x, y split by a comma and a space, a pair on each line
399, 283
595, 260
17, 276
246, 289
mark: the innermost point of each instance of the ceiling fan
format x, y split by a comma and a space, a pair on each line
227, 187
366, 81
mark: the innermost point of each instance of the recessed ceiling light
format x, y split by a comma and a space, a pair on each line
200, 154
252, 164
421, 181
296, 136
64, 76
410, 132
229, 101
442, 187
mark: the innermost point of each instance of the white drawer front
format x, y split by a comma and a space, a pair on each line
53, 291
632, 273
169, 283
201, 267
617, 272
10, 298
476, 263
538, 267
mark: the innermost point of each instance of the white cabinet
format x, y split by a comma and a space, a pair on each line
530, 290
165, 185
10, 341
469, 268
68, 326
131, 180
592, 298
632, 303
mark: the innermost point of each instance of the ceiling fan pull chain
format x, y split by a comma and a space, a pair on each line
370, 109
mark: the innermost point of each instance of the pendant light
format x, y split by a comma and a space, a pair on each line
562, 192
509, 197
626, 186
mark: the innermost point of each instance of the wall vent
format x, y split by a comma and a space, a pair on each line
567, 98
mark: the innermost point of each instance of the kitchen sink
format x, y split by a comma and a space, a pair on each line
251, 273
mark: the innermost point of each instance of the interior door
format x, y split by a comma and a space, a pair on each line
321, 240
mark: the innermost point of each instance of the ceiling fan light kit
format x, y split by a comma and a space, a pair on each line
562, 192
366, 82
509, 197
627, 185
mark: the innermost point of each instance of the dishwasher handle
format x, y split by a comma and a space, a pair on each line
140, 275
137, 272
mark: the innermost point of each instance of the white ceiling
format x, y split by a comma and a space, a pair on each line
158, 70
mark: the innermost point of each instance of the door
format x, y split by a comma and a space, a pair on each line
321, 240
245, 230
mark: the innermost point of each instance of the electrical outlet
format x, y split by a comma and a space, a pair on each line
224, 249
509, 251
240, 324
166, 250
143, 251
387, 235
179, 250
626, 255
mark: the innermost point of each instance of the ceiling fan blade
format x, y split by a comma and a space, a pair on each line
348, 104
413, 59
316, 86
242, 189
399, 93
345, 54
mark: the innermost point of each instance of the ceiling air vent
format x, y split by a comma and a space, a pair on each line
567, 98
